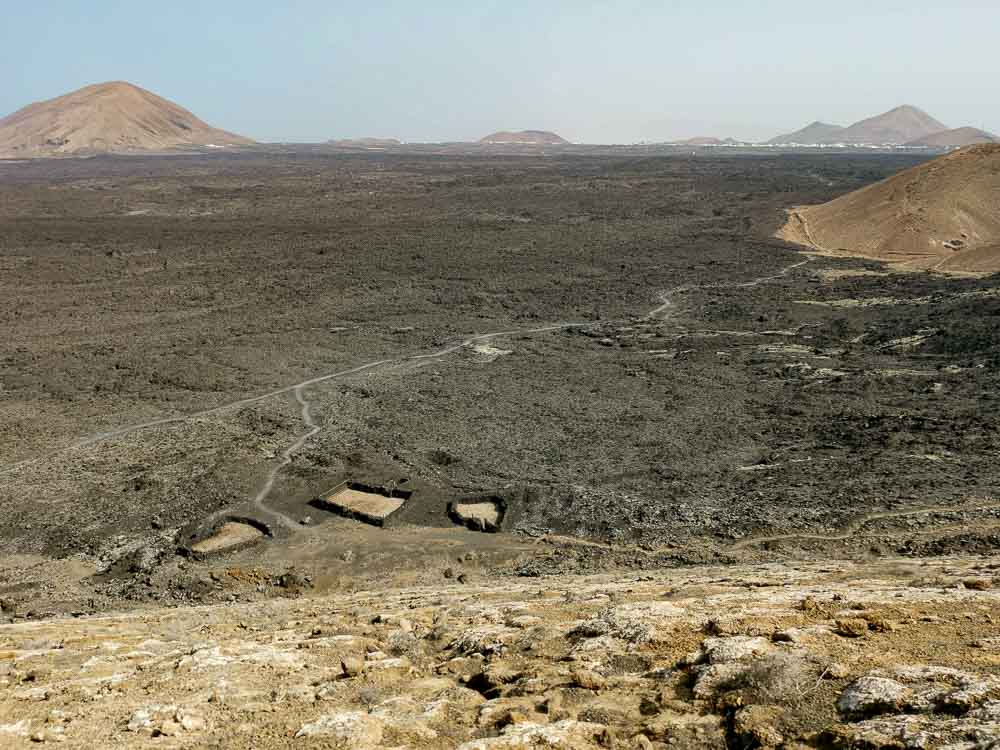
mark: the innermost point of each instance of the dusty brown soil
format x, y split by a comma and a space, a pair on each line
230, 534
483, 514
366, 504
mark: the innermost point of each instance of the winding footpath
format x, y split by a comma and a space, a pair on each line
666, 299
849, 530
100, 437
286, 458
852, 528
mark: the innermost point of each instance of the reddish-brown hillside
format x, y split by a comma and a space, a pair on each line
106, 117
944, 214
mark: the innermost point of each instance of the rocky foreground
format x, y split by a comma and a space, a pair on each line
893, 654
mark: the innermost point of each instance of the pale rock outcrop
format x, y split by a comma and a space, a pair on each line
563, 735
349, 730
868, 696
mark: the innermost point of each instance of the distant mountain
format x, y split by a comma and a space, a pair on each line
702, 140
525, 137
955, 137
106, 117
817, 132
706, 140
366, 142
895, 127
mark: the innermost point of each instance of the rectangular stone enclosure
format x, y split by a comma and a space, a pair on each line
362, 502
234, 534
479, 514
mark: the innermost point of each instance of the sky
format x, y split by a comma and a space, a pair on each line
595, 72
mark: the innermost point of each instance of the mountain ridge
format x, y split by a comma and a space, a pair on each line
814, 132
897, 126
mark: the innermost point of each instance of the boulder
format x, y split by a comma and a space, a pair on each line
735, 648
352, 666
587, 679
756, 726
347, 730
869, 696
852, 627
156, 720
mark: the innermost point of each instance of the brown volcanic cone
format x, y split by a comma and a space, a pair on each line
525, 137
899, 125
944, 214
106, 117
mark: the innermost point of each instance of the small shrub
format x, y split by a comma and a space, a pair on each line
781, 678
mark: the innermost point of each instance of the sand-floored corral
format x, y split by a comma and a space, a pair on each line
364, 504
228, 536
483, 515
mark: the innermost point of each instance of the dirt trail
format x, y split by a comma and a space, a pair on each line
262, 495
846, 532
666, 298
286, 458
854, 526
805, 229
100, 437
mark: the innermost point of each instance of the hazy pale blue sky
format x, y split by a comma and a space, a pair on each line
310, 70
